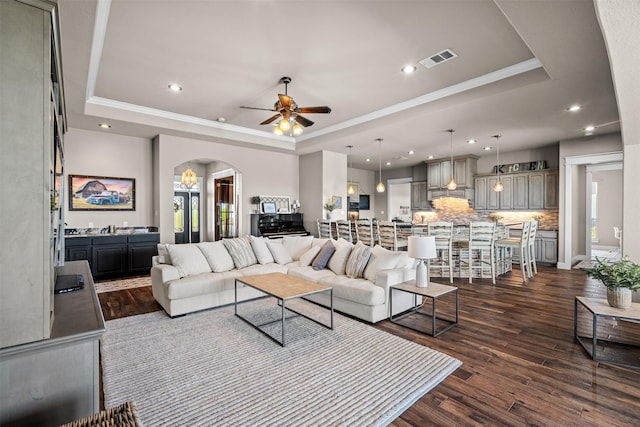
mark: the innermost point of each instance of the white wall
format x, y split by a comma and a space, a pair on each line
104, 154
609, 209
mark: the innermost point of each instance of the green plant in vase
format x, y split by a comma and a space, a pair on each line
255, 200
620, 277
330, 206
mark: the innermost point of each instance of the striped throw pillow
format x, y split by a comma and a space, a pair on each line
357, 261
241, 252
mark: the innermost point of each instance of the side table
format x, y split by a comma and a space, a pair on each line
433, 291
598, 308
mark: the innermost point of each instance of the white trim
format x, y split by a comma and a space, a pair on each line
99, 32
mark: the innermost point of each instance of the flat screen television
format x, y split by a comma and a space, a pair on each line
364, 202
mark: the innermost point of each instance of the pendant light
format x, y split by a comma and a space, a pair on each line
498, 187
451, 185
351, 189
380, 186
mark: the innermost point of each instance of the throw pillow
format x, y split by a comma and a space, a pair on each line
381, 259
322, 259
297, 245
358, 260
188, 260
240, 250
217, 256
259, 246
279, 252
163, 254
338, 260
307, 258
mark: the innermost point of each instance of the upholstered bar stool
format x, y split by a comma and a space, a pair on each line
511, 245
324, 229
364, 232
479, 247
531, 249
443, 233
344, 230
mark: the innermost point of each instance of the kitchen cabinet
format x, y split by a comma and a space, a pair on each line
419, 196
419, 173
141, 248
522, 191
32, 129
464, 170
551, 189
536, 190
486, 198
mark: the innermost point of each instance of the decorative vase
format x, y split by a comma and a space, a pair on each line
330, 215
619, 297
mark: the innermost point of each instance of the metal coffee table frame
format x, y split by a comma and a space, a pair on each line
282, 297
433, 291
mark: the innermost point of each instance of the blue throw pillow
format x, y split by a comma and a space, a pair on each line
321, 260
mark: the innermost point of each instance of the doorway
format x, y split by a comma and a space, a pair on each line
186, 216
603, 210
225, 207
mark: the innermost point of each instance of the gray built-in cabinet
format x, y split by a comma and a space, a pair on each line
522, 191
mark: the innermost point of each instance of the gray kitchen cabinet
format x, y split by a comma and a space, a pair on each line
481, 193
536, 190
419, 199
521, 191
420, 173
464, 171
551, 189
506, 195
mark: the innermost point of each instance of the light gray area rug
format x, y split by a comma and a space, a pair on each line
211, 368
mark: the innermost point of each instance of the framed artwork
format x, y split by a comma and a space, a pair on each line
364, 202
101, 193
268, 207
338, 202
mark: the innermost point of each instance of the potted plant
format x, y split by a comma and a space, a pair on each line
255, 200
330, 206
620, 277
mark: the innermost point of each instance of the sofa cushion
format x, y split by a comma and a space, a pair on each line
217, 256
188, 259
163, 254
381, 259
307, 257
322, 259
360, 291
308, 273
256, 269
358, 260
201, 284
404, 261
279, 252
297, 245
260, 249
240, 250
338, 260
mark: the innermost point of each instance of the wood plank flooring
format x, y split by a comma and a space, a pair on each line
521, 363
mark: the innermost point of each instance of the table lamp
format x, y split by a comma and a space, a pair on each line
421, 248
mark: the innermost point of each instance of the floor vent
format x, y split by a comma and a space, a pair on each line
438, 58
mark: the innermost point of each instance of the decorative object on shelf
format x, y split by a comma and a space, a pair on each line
295, 206
330, 206
283, 203
255, 200
88, 193
189, 178
351, 189
498, 187
268, 207
380, 186
421, 248
620, 277
451, 185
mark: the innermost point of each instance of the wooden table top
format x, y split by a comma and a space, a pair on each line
433, 290
282, 285
601, 307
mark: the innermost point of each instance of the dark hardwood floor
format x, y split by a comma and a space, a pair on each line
521, 363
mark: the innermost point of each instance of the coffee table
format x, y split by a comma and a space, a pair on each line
433, 291
284, 288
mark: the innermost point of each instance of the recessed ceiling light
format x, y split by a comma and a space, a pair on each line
574, 108
589, 133
175, 87
388, 163
408, 69
221, 119
411, 152
471, 141
590, 128
487, 148
104, 125
367, 160
430, 157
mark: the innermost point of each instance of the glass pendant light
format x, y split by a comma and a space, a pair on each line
498, 187
451, 185
351, 189
380, 186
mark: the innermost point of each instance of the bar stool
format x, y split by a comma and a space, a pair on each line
513, 245
482, 241
344, 230
443, 233
531, 249
388, 236
324, 229
364, 232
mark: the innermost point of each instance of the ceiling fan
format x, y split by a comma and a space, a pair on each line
292, 120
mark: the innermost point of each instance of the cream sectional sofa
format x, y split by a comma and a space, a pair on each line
191, 277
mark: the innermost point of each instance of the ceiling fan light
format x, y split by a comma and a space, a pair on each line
452, 185
284, 125
278, 131
297, 130
498, 187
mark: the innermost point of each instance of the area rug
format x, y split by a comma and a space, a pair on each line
122, 284
212, 368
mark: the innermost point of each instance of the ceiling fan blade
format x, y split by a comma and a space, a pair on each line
303, 121
285, 101
270, 119
308, 110
258, 108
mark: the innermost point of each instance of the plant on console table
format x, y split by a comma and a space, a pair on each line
620, 277
330, 206
255, 200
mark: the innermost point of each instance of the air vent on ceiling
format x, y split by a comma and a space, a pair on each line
438, 58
